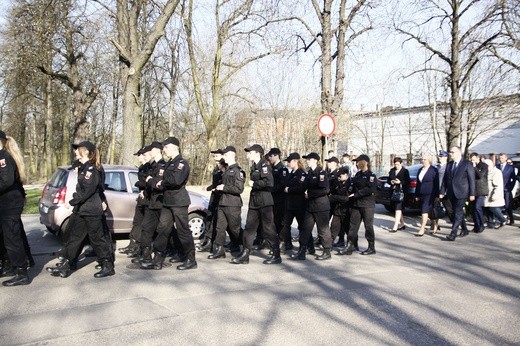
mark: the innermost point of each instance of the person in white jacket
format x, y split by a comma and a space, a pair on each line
495, 199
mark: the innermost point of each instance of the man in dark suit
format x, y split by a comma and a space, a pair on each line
458, 185
508, 173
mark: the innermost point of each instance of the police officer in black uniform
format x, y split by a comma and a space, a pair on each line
153, 210
211, 218
317, 208
87, 205
295, 199
12, 200
176, 200
133, 248
260, 210
362, 195
280, 176
230, 205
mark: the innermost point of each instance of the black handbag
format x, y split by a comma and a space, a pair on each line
437, 211
397, 195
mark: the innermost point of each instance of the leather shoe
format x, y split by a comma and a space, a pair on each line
402, 228
189, 264
178, 259
499, 225
449, 238
464, 233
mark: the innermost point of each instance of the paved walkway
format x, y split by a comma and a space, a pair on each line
414, 291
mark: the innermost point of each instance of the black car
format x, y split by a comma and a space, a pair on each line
384, 191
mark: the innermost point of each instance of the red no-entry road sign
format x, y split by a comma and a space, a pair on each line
326, 125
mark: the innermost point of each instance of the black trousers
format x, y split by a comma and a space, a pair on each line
446, 202
288, 218
149, 226
458, 216
339, 226
10, 228
264, 216
179, 216
135, 233
278, 213
321, 219
228, 218
358, 214
79, 229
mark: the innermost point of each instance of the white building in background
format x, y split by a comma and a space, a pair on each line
489, 125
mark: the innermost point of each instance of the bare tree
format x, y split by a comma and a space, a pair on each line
464, 51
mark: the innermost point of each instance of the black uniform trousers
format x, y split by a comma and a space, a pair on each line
339, 226
321, 219
278, 214
288, 218
264, 216
149, 226
135, 233
228, 218
357, 214
11, 228
179, 216
79, 229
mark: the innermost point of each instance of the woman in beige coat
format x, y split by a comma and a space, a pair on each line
495, 199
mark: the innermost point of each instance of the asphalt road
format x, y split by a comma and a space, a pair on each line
414, 291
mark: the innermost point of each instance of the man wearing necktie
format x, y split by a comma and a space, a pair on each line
458, 186
508, 173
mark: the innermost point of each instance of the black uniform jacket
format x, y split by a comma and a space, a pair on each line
175, 177
339, 197
12, 194
233, 180
216, 180
156, 194
296, 187
87, 198
364, 186
142, 173
281, 176
263, 182
317, 182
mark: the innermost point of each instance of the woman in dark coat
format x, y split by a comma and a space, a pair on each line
399, 180
88, 213
427, 190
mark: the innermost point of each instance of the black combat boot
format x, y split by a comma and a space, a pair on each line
300, 255
243, 258
205, 247
156, 263
220, 252
63, 270
258, 244
311, 248
20, 278
7, 269
275, 258
325, 255
190, 263
146, 256
178, 258
125, 250
107, 269
347, 250
134, 252
371, 249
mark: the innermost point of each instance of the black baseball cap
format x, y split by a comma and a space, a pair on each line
216, 151
312, 156
273, 151
332, 159
362, 157
292, 156
255, 147
156, 145
228, 149
171, 140
343, 170
2, 135
85, 144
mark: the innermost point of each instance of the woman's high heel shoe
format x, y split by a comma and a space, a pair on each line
435, 230
420, 234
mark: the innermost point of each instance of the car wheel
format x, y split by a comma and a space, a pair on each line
62, 233
389, 208
197, 224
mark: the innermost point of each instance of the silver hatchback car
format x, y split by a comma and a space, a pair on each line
121, 195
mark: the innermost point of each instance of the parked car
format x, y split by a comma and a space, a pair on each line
384, 190
121, 195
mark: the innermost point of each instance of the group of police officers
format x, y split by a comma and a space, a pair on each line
279, 193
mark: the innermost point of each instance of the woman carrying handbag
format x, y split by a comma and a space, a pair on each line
399, 180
